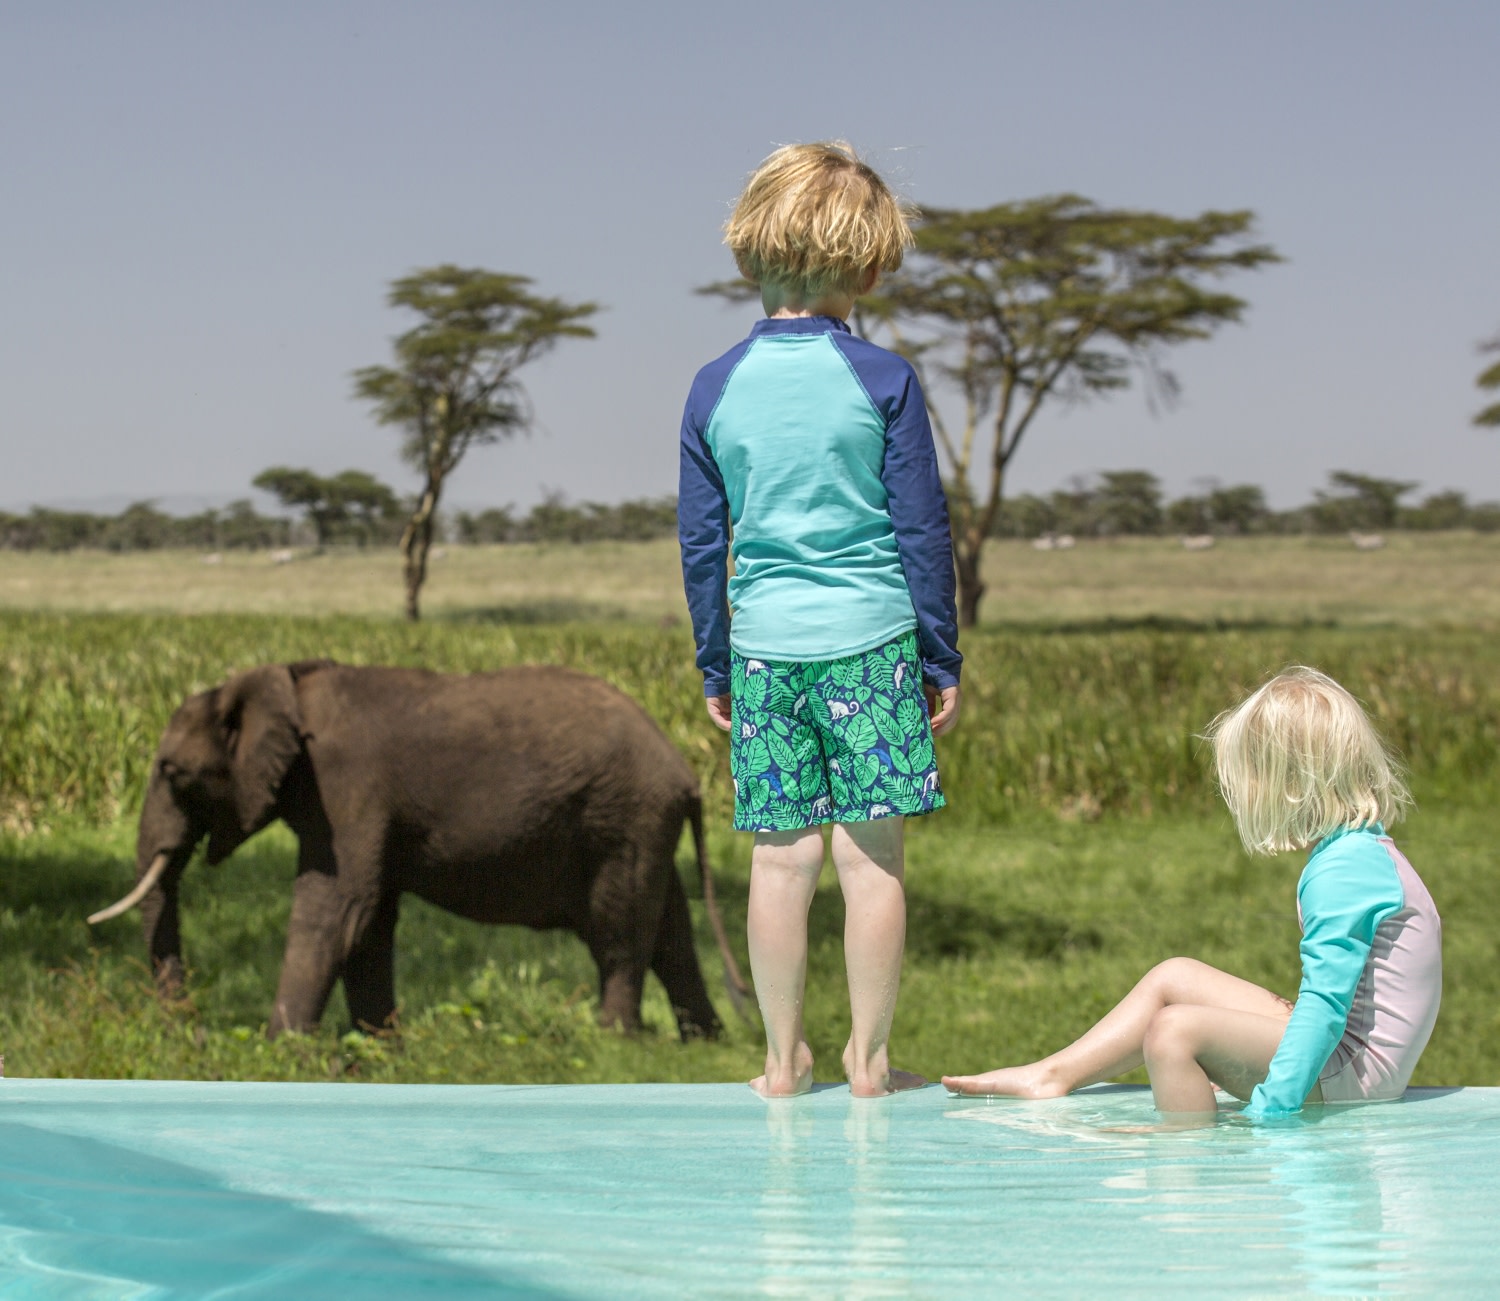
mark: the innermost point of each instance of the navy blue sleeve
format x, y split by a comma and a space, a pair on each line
919, 508
703, 531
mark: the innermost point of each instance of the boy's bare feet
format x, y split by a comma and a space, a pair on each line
895, 1082
878, 1078
786, 1081
1008, 1082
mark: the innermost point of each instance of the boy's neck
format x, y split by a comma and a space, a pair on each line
782, 301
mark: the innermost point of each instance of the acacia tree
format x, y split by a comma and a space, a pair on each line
453, 385
353, 503
1489, 379
1046, 298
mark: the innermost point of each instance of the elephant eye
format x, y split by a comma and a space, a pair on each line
167, 769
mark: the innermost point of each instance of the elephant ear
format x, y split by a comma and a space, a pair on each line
263, 732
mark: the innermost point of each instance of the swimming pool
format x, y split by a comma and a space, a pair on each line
121, 1189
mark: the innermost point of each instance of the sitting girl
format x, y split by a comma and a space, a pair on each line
1300, 767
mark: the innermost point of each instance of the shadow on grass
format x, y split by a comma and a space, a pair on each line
45, 895
234, 917
935, 928
539, 612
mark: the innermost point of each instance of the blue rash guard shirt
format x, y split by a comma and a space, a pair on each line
1348, 888
810, 448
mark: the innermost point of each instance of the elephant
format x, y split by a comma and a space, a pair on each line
535, 795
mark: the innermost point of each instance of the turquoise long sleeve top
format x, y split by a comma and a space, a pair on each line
1348, 888
806, 451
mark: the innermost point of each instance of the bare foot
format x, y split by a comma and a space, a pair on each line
1007, 1082
895, 1082
877, 1078
786, 1082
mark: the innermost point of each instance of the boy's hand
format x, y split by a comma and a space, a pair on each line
942, 707
718, 710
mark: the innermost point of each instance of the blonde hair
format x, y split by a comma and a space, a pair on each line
817, 219
1299, 759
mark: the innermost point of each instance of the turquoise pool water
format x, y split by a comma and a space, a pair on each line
115, 1190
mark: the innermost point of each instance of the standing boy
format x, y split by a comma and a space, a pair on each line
811, 449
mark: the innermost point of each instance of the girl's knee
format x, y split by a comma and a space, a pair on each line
1171, 978
1171, 1033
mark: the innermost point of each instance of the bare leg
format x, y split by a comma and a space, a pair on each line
870, 860
1188, 1047
784, 871
1116, 1043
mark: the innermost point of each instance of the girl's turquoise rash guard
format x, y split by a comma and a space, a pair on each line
1371, 973
811, 449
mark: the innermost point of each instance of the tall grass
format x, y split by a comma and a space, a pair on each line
1082, 723
1022, 927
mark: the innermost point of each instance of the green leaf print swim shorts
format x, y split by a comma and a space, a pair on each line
845, 740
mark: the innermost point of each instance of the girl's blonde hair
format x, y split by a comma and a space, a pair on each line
817, 219
1299, 759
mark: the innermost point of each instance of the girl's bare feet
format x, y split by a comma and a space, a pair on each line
786, 1081
1008, 1082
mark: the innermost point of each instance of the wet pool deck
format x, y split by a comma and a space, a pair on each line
124, 1189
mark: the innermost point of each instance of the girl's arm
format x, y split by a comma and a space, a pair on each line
703, 532
1348, 888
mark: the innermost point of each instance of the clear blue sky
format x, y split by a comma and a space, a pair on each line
203, 205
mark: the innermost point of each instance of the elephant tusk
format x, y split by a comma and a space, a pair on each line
143, 887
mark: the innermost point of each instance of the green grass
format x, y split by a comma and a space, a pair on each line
1083, 844
1076, 723
1416, 580
1019, 937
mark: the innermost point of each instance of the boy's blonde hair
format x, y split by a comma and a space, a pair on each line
1299, 759
817, 220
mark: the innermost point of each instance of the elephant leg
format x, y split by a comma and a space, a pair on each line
620, 986
675, 962
620, 933
315, 946
370, 969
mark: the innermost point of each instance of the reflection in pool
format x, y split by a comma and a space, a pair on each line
707, 1190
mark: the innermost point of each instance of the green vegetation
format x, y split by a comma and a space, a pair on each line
1416, 580
1019, 937
351, 507
142, 527
1079, 723
1489, 381
454, 384
1083, 845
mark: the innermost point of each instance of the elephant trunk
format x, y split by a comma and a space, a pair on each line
163, 935
164, 843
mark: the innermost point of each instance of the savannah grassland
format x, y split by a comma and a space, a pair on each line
1083, 843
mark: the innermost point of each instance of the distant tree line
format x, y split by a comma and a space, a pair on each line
349, 509
554, 520
1118, 503
1131, 502
141, 527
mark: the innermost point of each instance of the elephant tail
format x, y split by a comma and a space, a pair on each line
734, 983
